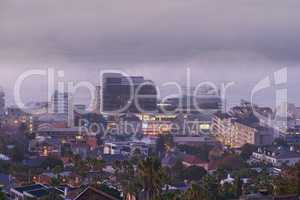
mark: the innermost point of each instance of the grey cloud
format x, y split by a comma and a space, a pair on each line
142, 31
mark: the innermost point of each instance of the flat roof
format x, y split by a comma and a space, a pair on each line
38, 193
29, 188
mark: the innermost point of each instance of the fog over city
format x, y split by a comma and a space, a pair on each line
220, 41
150, 100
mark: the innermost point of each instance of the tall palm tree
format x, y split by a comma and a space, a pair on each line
126, 176
152, 177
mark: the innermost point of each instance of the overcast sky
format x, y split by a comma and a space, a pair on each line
233, 40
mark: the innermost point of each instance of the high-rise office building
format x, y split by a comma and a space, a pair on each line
62, 103
97, 99
122, 94
2, 102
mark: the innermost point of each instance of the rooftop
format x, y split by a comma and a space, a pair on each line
279, 152
222, 115
193, 160
30, 188
92, 193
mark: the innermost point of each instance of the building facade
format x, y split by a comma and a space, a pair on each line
222, 125
276, 156
121, 94
235, 132
97, 99
62, 103
2, 102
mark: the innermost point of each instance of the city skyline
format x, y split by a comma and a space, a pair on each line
150, 100
235, 92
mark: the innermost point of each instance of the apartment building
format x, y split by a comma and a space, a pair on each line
236, 132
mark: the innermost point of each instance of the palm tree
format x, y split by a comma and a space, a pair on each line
152, 177
194, 193
57, 170
126, 176
55, 182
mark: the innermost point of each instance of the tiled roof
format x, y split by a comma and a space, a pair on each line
193, 160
